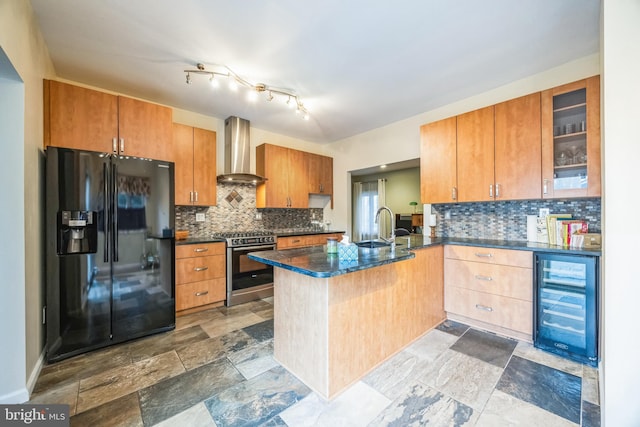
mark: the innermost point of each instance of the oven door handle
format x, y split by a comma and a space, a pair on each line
253, 248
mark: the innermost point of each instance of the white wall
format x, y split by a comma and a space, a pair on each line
22, 42
621, 153
400, 141
12, 334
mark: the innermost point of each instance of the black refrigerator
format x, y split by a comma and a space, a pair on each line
109, 249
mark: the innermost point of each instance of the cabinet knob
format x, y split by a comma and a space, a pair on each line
200, 268
200, 249
201, 294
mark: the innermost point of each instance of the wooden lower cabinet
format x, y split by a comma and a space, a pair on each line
305, 241
200, 275
490, 288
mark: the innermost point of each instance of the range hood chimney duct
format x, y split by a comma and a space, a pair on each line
237, 153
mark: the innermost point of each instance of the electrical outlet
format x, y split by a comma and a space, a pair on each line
200, 217
543, 212
259, 216
447, 214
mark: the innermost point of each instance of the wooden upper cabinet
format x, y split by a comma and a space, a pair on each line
86, 119
194, 154
518, 149
286, 172
144, 129
79, 118
298, 171
571, 140
204, 167
475, 155
438, 161
320, 174
183, 159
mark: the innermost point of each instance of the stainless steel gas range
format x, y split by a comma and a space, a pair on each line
247, 280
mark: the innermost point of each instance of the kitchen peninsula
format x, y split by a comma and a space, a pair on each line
335, 321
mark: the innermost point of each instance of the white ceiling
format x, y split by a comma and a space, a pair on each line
357, 65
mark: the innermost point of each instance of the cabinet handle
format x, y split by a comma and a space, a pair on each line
121, 145
483, 307
454, 193
200, 249
114, 145
295, 241
497, 191
200, 268
321, 188
196, 196
190, 196
491, 191
482, 255
201, 294
485, 278
545, 186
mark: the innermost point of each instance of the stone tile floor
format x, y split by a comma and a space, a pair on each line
217, 369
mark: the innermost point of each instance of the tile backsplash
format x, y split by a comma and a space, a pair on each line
236, 211
507, 220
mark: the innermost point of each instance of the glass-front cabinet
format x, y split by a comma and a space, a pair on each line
571, 140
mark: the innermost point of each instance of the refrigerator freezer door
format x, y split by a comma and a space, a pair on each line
78, 281
143, 248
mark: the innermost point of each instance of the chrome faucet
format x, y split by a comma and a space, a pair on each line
392, 238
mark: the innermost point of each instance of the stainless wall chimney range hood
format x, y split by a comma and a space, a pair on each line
237, 153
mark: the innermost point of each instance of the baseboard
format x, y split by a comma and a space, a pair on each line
35, 372
17, 396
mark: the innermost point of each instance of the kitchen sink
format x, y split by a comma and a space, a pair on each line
374, 244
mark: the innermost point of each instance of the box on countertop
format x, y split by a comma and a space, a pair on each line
348, 252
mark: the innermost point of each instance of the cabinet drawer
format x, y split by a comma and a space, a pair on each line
501, 311
303, 241
514, 282
199, 250
200, 268
195, 294
490, 255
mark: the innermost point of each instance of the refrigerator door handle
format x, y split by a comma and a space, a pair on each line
105, 211
114, 200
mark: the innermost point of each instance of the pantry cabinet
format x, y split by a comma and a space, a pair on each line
490, 288
571, 140
195, 165
200, 275
286, 171
86, 119
438, 180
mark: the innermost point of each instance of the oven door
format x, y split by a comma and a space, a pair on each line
247, 279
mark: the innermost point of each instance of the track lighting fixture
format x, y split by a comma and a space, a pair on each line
235, 80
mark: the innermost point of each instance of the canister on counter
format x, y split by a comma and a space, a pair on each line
332, 246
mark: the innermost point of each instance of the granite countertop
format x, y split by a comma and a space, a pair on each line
198, 240
419, 241
313, 261
304, 232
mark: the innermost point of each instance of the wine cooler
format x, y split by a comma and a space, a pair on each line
566, 315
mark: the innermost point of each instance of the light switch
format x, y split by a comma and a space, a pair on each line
200, 217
